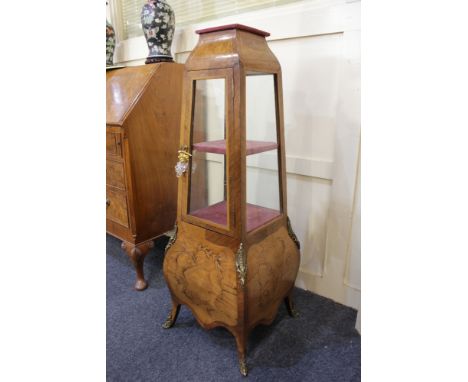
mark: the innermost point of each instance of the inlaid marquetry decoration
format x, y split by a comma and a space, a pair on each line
234, 257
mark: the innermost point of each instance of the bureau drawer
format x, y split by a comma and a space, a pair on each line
115, 174
113, 144
116, 206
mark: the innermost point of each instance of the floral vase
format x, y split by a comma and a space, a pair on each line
158, 21
110, 44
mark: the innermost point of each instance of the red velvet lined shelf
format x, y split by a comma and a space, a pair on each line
256, 215
219, 147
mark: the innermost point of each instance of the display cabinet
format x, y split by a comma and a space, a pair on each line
233, 258
142, 133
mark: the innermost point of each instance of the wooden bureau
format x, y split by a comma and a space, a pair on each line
142, 136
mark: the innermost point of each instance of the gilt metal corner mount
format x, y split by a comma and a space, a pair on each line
293, 235
241, 264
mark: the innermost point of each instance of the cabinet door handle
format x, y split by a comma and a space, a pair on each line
183, 163
107, 202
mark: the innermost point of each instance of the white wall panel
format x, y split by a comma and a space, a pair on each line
310, 93
353, 268
308, 201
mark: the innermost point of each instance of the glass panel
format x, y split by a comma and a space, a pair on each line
263, 187
208, 185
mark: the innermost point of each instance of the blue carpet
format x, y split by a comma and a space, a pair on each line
320, 345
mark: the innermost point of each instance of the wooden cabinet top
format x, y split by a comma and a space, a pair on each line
230, 45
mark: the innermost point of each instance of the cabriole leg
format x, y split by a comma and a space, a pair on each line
137, 254
288, 301
171, 319
241, 352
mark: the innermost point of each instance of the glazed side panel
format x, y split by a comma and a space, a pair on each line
200, 270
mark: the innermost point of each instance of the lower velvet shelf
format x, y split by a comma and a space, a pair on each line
217, 213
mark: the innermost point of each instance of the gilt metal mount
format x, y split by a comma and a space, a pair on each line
293, 235
241, 264
169, 322
243, 367
172, 239
183, 163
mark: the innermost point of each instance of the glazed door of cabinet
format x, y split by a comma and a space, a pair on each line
208, 134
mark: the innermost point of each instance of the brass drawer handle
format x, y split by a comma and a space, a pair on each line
107, 202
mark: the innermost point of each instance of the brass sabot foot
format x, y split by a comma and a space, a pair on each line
169, 323
171, 319
290, 307
243, 367
294, 313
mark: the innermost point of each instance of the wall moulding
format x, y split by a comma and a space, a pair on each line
309, 167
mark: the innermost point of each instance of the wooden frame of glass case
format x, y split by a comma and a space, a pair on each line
185, 182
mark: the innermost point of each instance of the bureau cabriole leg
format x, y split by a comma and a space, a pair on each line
171, 319
137, 255
288, 301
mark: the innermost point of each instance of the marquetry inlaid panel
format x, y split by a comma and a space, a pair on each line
202, 275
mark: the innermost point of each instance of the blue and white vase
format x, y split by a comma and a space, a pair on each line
158, 21
110, 44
